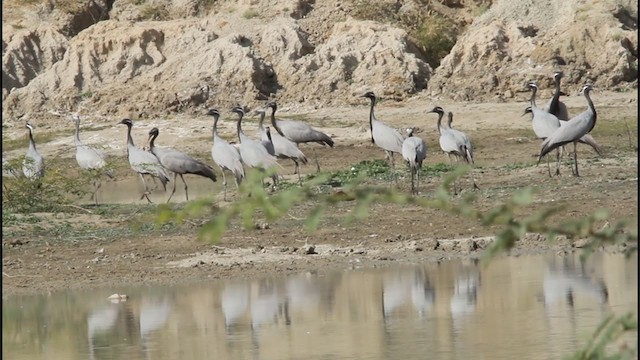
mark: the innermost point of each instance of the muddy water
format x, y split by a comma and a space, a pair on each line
129, 191
528, 307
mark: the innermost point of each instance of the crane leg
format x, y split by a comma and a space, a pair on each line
145, 193
413, 178
575, 156
315, 155
297, 171
186, 192
175, 177
558, 158
96, 187
224, 185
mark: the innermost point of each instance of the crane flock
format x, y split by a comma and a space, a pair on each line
281, 141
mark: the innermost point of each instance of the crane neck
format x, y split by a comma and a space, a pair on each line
152, 140
450, 120
261, 121
533, 96
32, 143
274, 122
77, 137
129, 138
553, 107
215, 124
440, 116
239, 128
591, 107
269, 136
372, 117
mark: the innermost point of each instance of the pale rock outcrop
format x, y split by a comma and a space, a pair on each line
514, 42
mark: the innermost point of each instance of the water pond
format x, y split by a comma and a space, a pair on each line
527, 307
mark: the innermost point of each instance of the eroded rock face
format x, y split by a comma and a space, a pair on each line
27, 53
150, 68
249, 51
515, 42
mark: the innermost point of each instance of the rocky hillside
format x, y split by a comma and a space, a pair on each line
145, 58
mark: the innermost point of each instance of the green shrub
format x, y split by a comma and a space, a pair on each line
51, 193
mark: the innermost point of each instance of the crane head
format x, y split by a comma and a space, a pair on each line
154, 132
127, 122
532, 85
272, 105
370, 95
75, 117
527, 111
558, 75
213, 112
30, 127
238, 110
436, 109
586, 89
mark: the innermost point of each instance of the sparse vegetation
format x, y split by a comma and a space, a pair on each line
432, 33
250, 14
157, 12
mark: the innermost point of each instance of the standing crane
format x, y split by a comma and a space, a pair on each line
252, 152
33, 164
383, 135
576, 128
144, 162
90, 159
453, 143
414, 151
283, 148
586, 139
225, 155
179, 163
298, 132
464, 143
544, 124
555, 106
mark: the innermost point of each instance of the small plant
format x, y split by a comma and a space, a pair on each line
250, 14
157, 12
69, 6
609, 330
480, 9
50, 193
435, 37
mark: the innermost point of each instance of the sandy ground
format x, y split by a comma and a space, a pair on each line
505, 149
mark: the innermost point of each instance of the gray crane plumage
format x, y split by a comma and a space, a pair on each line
179, 163
252, 152
298, 132
555, 106
33, 164
144, 162
414, 151
463, 139
89, 158
225, 155
282, 147
454, 142
586, 139
576, 127
544, 124
383, 135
